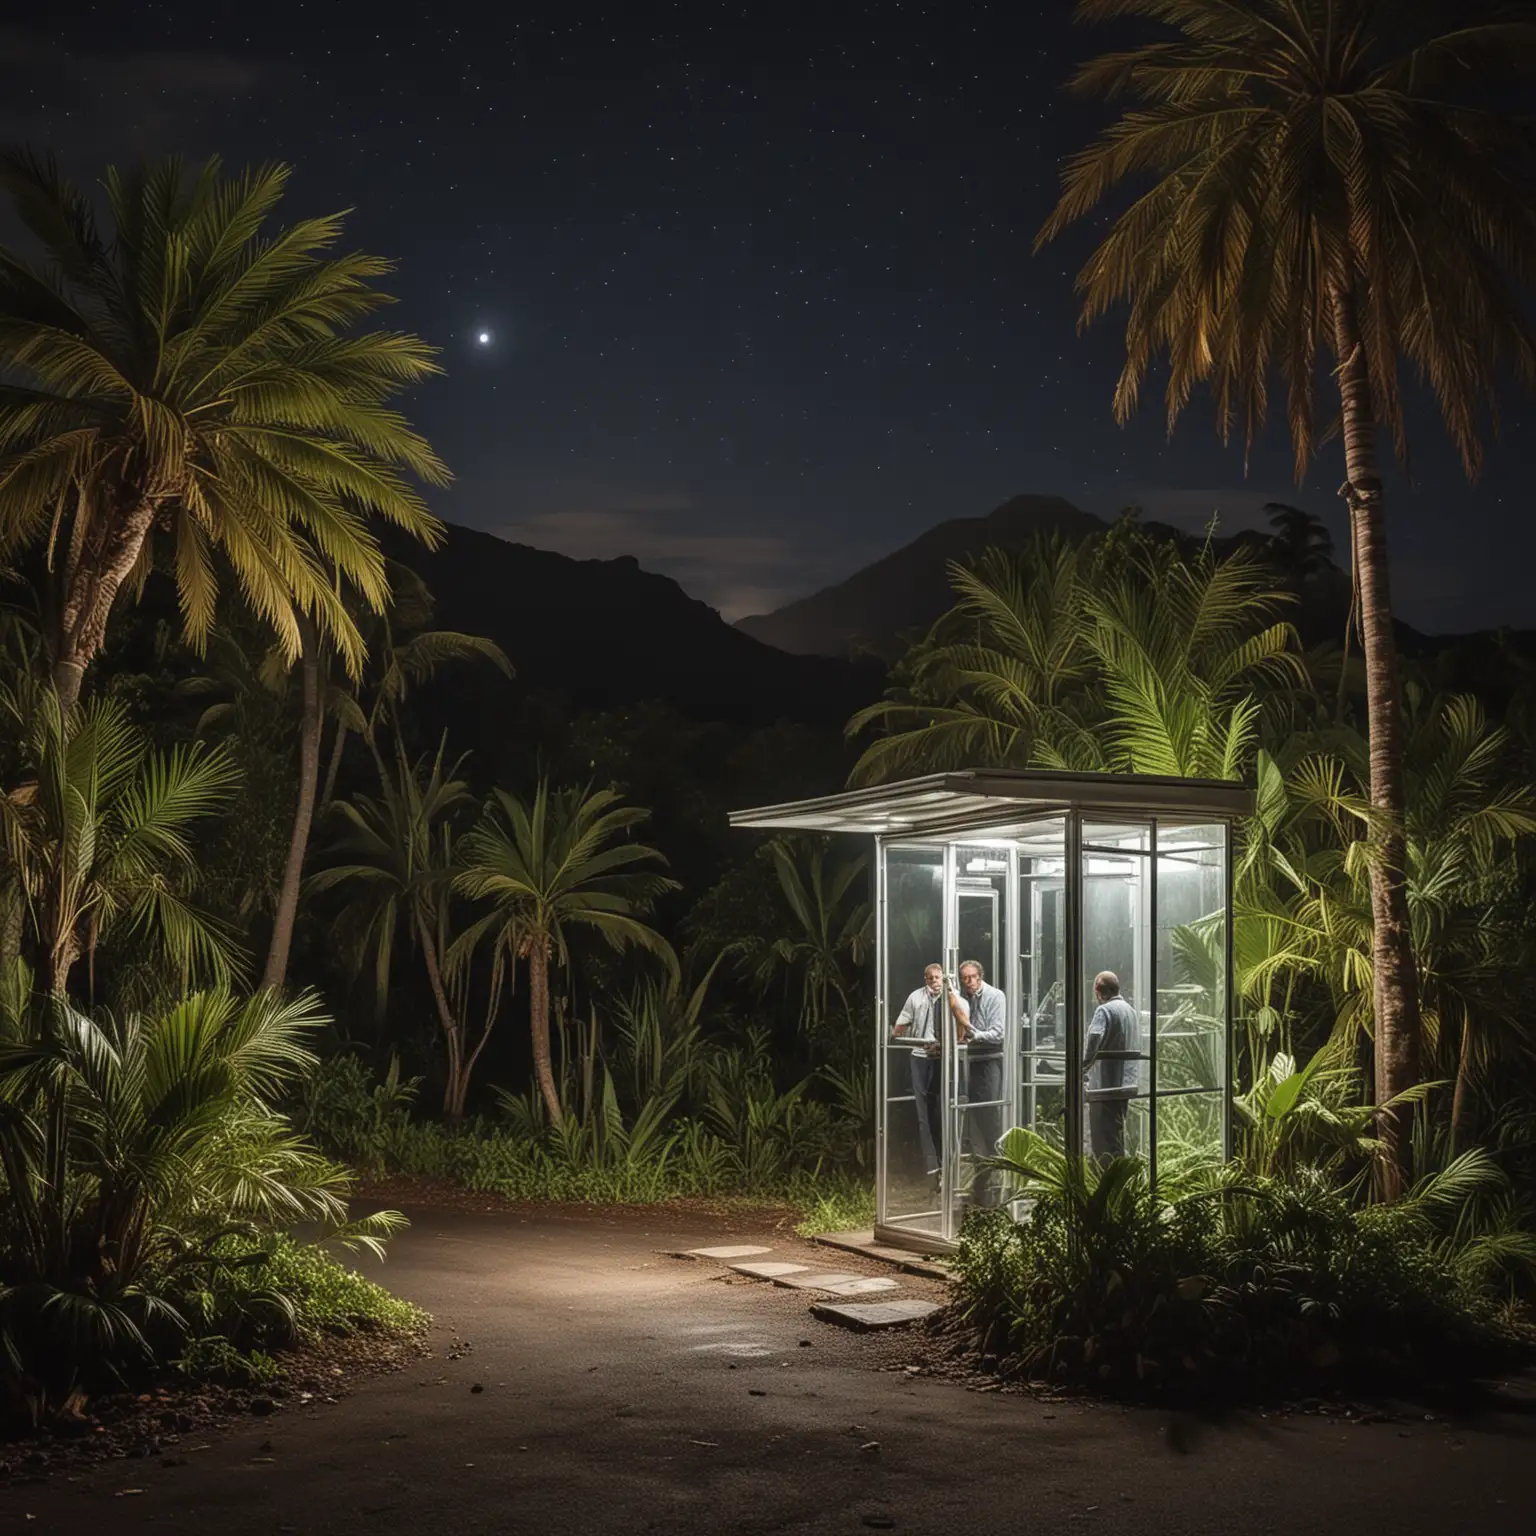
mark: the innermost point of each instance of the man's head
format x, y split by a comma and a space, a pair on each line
932, 976
971, 977
1106, 985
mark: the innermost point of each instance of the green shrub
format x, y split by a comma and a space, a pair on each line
667, 1118
1248, 1284
147, 1179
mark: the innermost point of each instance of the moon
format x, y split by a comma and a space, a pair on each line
484, 338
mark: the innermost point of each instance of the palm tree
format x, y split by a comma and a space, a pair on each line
832, 921
397, 857
1123, 656
188, 381
97, 842
404, 651
550, 867
1333, 186
1301, 541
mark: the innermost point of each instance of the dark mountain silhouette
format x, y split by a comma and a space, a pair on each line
909, 588
603, 634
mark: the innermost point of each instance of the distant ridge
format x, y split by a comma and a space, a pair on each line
605, 633
910, 587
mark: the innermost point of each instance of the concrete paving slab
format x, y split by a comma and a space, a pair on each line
812, 1281
868, 1316
770, 1271
905, 1259
865, 1287
736, 1251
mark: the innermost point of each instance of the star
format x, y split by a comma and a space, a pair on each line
484, 338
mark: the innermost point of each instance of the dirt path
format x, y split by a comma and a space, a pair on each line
623, 1391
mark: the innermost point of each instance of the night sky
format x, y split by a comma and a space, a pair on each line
756, 280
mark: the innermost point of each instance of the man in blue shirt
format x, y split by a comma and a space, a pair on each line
1111, 1066
982, 1032
921, 1020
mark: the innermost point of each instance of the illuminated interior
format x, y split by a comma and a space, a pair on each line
1046, 882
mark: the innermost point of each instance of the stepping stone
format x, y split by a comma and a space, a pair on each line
865, 1287
741, 1251
816, 1282
867, 1316
768, 1271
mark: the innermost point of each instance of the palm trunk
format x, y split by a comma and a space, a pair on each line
1395, 978
1461, 1095
538, 1008
283, 918
333, 768
456, 1085
95, 570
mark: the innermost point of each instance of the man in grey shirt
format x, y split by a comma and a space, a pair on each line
983, 1031
920, 1020
1111, 1066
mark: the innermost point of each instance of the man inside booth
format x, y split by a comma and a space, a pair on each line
982, 1031
1111, 1066
920, 1020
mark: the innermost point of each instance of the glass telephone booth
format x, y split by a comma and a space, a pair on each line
1099, 907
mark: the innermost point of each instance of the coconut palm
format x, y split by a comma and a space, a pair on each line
396, 856
552, 867
1334, 193
186, 386
97, 842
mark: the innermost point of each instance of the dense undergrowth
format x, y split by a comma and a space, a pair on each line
1241, 1284
151, 1188
738, 1140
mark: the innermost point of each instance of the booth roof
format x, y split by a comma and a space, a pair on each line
977, 797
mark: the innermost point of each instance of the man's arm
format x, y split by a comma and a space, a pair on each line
961, 1010
904, 1018
1095, 1041
989, 1019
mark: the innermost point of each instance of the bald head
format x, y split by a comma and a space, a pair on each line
1106, 984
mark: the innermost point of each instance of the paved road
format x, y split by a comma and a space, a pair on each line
628, 1392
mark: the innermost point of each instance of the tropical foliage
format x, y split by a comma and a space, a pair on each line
1245, 1283
194, 376
1324, 189
146, 1163
1122, 655
551, 868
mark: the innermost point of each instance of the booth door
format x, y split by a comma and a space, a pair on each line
910, 1130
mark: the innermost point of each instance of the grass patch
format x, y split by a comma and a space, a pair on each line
841, 1210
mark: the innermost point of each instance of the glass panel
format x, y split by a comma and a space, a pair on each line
1129, 836
913, 1110
1116, 955
1191, 958
1189, 1135
1191, 1052
1042, 1067
981, 922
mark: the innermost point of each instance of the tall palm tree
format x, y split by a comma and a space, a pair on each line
97, 840
186, 385
552, 866
1334, 192
397, 858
